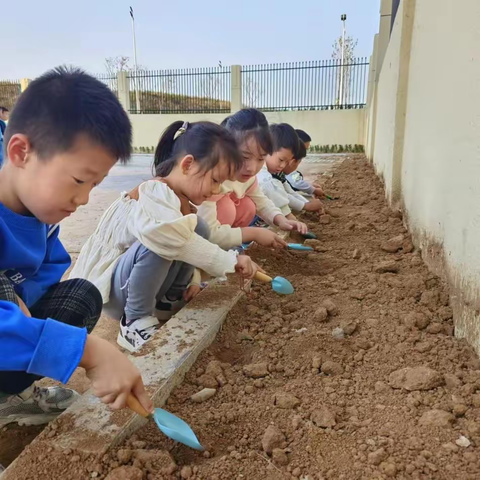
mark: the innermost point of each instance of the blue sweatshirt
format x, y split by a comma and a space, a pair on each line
33, 258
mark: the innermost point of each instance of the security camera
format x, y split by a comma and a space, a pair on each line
343, 17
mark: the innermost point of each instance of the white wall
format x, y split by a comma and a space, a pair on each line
386, 105
371, 108
326, 127
438, 164
441, 161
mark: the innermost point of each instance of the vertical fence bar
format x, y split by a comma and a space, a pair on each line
9, 92
307, 85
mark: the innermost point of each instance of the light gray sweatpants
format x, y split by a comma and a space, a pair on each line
141, 279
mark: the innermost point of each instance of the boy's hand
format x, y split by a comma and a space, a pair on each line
245, 267
112, 374
319, 192
288, 225
191, 292
267, 238
23, 307
283, 223
314, 206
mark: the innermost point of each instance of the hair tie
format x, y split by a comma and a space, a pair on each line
181, 130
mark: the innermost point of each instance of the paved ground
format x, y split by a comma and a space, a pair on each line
76, 229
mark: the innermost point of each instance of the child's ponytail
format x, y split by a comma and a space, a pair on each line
163, 160
207, 142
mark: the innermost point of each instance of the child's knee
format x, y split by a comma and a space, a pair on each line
202, 228
92, 303
246, 212
250, 209
7, 292
142, 255
226, 211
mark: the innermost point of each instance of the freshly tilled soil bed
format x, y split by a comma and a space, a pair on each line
355, 376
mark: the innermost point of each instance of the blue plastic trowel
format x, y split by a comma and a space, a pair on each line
279, 284
299, 246
172, 426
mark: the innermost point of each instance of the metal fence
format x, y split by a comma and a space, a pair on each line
9, 92
315, 85
191, 90
110, 81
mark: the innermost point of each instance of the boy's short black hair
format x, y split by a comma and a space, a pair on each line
66, 102
304, 136
284, 136
301, 151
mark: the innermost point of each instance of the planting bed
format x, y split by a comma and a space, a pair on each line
355, 376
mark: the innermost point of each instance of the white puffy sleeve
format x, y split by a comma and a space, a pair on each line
157, 222
276, 193
266, 209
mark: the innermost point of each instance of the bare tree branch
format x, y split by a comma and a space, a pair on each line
348, 59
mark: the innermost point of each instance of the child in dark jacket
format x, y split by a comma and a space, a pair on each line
66, 132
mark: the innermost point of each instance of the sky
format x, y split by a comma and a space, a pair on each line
37, 35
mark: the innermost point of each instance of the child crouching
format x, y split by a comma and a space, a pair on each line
295, 177
144, 250
231, 213
66, 132
298, 202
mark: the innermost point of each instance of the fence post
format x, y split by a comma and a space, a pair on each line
236, 86
123, 90
24, 82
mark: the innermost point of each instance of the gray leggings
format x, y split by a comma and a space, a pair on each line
141, 279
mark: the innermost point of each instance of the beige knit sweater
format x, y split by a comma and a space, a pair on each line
155, 220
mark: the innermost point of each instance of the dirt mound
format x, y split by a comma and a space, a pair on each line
355, 376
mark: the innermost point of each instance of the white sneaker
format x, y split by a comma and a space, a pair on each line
132, 337
35, 405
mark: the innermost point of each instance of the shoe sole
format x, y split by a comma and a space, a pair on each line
29, 420
124, 344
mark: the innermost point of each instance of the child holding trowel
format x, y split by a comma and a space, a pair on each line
295, 178
230, 214
145, 251
66, 132
286, 147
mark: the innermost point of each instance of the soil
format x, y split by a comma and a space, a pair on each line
14, 438
356, 375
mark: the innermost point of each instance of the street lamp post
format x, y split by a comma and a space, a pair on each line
342, 67
137, 98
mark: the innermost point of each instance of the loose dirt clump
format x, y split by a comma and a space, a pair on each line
397, 396
388, 400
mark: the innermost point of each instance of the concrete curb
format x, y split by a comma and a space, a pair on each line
90, 427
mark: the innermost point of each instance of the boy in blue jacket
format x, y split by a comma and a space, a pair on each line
67, 130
